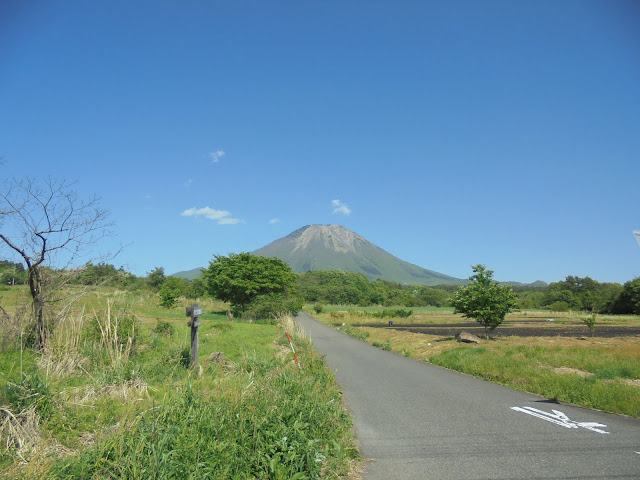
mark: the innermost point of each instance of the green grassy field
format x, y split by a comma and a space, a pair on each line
594, 372
98, 405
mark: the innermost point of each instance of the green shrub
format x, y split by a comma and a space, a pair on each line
590, 322
170, 291
559, 306
271, 306
164, 329
393, 313
318, 308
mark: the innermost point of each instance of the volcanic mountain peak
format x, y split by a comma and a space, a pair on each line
334, 247
331, 237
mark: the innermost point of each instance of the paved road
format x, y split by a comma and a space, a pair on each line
418, 421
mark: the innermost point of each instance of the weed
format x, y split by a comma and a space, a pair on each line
185, 357
164, 329
31, 392
354, 332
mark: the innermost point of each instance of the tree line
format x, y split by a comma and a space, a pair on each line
338, 287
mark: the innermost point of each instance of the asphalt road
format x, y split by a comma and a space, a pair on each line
418, 421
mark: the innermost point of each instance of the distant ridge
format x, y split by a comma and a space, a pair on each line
334, 247
188, 274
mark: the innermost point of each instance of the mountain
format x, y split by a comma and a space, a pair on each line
188, 274
334, 247
536, 284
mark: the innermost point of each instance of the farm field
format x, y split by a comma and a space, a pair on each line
112, 396
558, 360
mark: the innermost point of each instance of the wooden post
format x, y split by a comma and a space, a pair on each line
194, 311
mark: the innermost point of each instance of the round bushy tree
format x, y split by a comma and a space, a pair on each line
484, 299
240, 278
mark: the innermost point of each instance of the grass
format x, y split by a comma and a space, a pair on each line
589, 376
594, 372
111, 400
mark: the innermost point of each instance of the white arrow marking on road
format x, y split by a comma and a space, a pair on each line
561, 419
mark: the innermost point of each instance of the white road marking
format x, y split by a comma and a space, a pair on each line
561, 419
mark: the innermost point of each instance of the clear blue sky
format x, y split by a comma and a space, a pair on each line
448, 133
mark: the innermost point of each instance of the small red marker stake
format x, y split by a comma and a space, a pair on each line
293, 349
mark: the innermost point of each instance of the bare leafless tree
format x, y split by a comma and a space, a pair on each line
48, 226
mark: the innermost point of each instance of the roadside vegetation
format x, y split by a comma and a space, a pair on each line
111, 395
584, 369
571, 294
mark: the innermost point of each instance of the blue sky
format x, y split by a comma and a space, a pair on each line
447, 133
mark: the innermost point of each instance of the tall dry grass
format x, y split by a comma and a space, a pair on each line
62, 355
117, 350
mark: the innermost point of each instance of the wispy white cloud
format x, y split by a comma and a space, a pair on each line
221, 216
274, 220
188, 182
339, 207
216, 156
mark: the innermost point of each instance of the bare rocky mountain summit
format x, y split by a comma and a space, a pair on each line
334, 247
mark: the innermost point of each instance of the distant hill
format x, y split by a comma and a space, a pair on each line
334, 247
537, 283
188, 274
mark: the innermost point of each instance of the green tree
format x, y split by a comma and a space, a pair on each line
240, 278
172, 289
584, 293
156, 277
12, 273
335, 287
629, 299
484, 300
197, 288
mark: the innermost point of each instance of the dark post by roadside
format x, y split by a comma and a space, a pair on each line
194, 311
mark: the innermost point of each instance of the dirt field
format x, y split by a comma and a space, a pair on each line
526, 328
524, 331
445, 323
